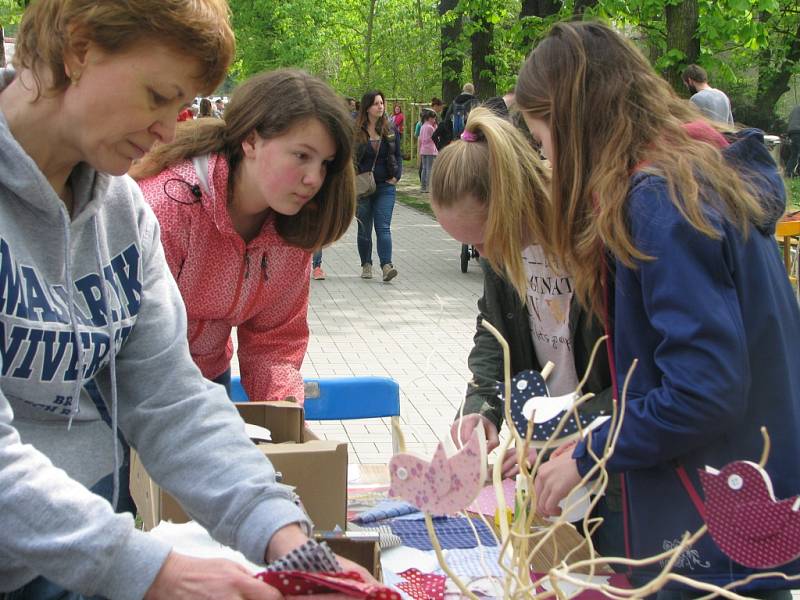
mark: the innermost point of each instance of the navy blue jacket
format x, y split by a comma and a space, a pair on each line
716, 328
390, 159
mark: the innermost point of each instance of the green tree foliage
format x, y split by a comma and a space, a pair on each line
356, 45
410, 48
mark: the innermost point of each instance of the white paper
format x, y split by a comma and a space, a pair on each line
192, 540
401, 558
570, 590
257, 434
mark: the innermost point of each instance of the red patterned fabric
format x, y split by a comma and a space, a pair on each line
422, 586
745, 519
300, 583
261, 288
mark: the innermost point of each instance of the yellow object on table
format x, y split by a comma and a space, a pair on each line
788, 232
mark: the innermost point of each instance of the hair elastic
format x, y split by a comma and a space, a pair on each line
468, 136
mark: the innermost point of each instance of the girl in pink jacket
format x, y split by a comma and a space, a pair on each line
242, 203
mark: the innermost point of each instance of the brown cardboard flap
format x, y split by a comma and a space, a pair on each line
362, 551
318, 469
285, 420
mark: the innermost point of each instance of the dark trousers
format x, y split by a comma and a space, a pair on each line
225, 380
44, 589
794, 155
762, 594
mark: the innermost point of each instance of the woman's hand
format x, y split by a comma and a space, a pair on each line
199, 578
554, 480
392, 181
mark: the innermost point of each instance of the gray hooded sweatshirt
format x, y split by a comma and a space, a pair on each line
67, 287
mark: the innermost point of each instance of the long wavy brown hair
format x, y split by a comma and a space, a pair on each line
271, 104
610, 115
382, 127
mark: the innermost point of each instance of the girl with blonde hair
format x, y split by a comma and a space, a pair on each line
242, 203
666, 227
485, 188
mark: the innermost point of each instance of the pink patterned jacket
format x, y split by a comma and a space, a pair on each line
261, 288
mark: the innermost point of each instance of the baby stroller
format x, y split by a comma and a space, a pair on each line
468, 252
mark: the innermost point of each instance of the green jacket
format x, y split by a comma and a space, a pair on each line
502, 307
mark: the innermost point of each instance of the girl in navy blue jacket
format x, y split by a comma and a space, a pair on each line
667, 229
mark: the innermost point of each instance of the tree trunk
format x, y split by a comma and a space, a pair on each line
483, 71
773, 79
452, 62
2, 48
682, 25
580, 7
368, 46
541, 9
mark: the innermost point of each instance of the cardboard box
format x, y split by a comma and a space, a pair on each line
317, 468
361, 547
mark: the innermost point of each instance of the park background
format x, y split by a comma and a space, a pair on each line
413, 50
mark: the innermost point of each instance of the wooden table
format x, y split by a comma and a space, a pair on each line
565, 538
788, 232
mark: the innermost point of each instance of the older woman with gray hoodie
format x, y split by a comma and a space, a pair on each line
87, 297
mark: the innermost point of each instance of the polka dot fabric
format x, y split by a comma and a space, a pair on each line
260, 287
746, 521
529, 395
298, 583
422, 586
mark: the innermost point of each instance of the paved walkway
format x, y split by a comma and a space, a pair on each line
416, 329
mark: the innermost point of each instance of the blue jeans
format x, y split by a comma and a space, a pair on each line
42, 589
376, 208
427, 165
316, 260
225, 380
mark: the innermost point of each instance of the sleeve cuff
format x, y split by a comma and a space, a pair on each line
257, 529
583, 460
134, 567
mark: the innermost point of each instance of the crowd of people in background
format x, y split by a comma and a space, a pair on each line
203, 107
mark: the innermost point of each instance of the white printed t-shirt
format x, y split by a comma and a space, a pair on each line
548, 299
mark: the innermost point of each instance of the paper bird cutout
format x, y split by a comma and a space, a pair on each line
530, 398
746, 521
444, 486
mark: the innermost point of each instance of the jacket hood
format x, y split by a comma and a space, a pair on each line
463, 97
181, 183
749, 156
22, 176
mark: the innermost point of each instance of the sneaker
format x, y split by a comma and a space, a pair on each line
389, 272
366, 271
318, 273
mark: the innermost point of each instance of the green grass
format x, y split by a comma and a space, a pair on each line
420, 204
793, 188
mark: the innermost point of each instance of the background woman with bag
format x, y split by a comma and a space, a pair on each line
378, 151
